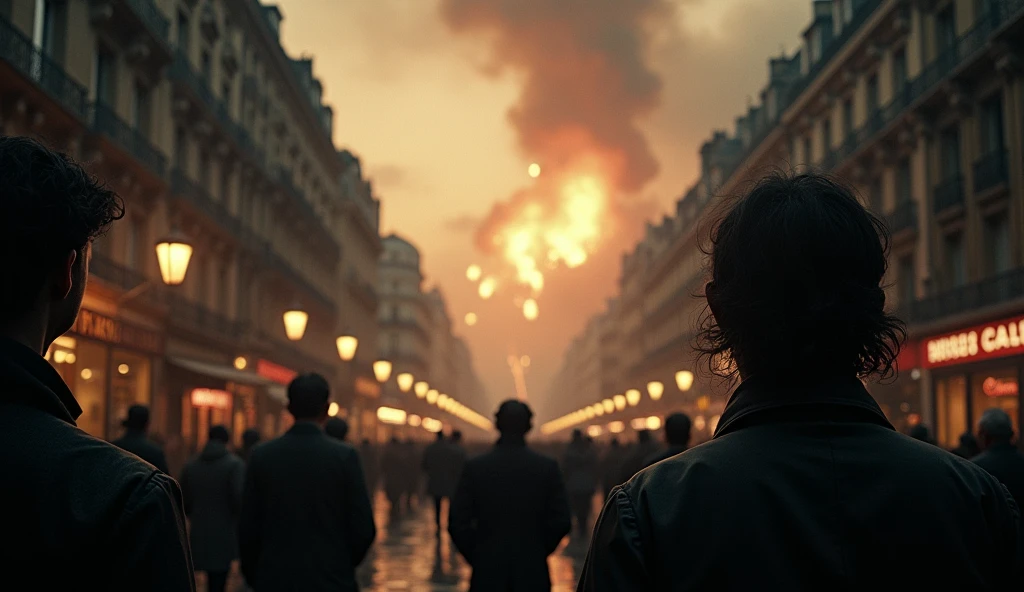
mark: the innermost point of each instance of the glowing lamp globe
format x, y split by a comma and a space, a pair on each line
347, 346
684, 380
382, 370
173, 254
655, 389
405, 381
421, 389
295, 321
633, 397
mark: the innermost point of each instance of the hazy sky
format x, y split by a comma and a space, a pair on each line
426, 108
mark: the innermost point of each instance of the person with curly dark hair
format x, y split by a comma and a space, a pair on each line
805, 484
80, 512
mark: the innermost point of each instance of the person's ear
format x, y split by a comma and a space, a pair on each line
63, 280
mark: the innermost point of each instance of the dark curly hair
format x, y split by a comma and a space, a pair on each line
796, 270
49, 205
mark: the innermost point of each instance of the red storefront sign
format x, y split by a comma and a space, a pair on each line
275, 372
998, 339
217, 399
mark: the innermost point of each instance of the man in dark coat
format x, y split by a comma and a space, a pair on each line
137, 442
611, 467
437, 460
805, 485
80, 513
677, 438
510, 510
212, 487
1000, 457
636, 457
579, 469
306, 520
336, 428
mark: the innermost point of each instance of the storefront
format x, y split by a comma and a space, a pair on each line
974, 369
110, 365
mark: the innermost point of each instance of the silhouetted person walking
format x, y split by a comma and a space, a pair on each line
441, 481
306, 519
250, 438
80, 513
135, 440
637, 455
336, 428
510, 510
393, 466
677, 438
968, 448
212, 488
611, 466
1000, 457
805, 484
371, 466
579, 468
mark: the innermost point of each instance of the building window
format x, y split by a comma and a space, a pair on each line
105, 76
872, 94
180, 148
992, 125
945, 29
206, 65
808, 150
904, 183
847, 118
141, 109
204, 169
997, 243
899, 71
183, 31
225, 93
956, 267
225, 183
905, 287
826, 136
950, 142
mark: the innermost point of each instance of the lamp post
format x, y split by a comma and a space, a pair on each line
382, 370
295, 320
173, 253
405, 381
347, 345
684, 380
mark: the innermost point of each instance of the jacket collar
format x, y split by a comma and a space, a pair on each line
28, 379
511, 441
756, 401
305, 428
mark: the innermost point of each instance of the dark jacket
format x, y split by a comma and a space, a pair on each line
1006, 463
137, 443
306, 520
807, 489
212, 487
636, 459
439, 463
663, 454
80, 514
509, 513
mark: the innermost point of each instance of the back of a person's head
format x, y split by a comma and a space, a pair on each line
308, 396
920, 432
456, 436
336, 427
50, 207
577, 435
514, 418
614, 443
219, 433
996, 426
796, 284
677, 429
439, 436
250, 437
643, 436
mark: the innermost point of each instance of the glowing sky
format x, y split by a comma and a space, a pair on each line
426, 110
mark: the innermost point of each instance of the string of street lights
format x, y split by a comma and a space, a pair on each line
406, 383
631, 398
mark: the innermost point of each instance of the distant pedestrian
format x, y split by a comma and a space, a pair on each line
968, 448
212, 488
458, 458
805, 485
677, 438
79, 513
411, 475
250, 438
136, 441
371, 466
306, 519
1000, 457
637, 455
579, 469
336, 428
611, 467
437, 459
922, 433
393, 466
510, 510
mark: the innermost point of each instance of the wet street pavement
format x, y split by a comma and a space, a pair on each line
408, 556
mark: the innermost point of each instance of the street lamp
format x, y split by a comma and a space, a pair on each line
421, 389
633, 397
405, 381
655, 389
173, 254
432, 395
347, 345
608, 405
295, 322
382, 370
684, 380
619, 401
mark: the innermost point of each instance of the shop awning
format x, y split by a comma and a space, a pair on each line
220, 371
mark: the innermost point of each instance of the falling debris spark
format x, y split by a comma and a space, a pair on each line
473, 272
470, 319
487, 287
534, 170
530, 309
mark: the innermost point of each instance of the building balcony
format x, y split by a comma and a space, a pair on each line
106, 122
148, 26
991, 172
114, 273
362, 292
948, 194
408, 361
197, 318
404, 324
201, 201
992, 291
903, 217
47, 75
305, 209
273, 261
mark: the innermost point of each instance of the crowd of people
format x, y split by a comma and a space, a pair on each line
804, 486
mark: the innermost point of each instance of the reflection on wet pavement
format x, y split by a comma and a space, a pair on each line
409, 556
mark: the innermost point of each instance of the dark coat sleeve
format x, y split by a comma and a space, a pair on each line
462, 516
186, 490
150, 542
250, 523
360, 517
558, 521
1005, 518
616, 557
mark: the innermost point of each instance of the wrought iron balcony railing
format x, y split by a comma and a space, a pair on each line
198, 318
201, 199
995, 290
18, 50
990, 171
903, 217
150, 15
948, 194
110, 271
105, 121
